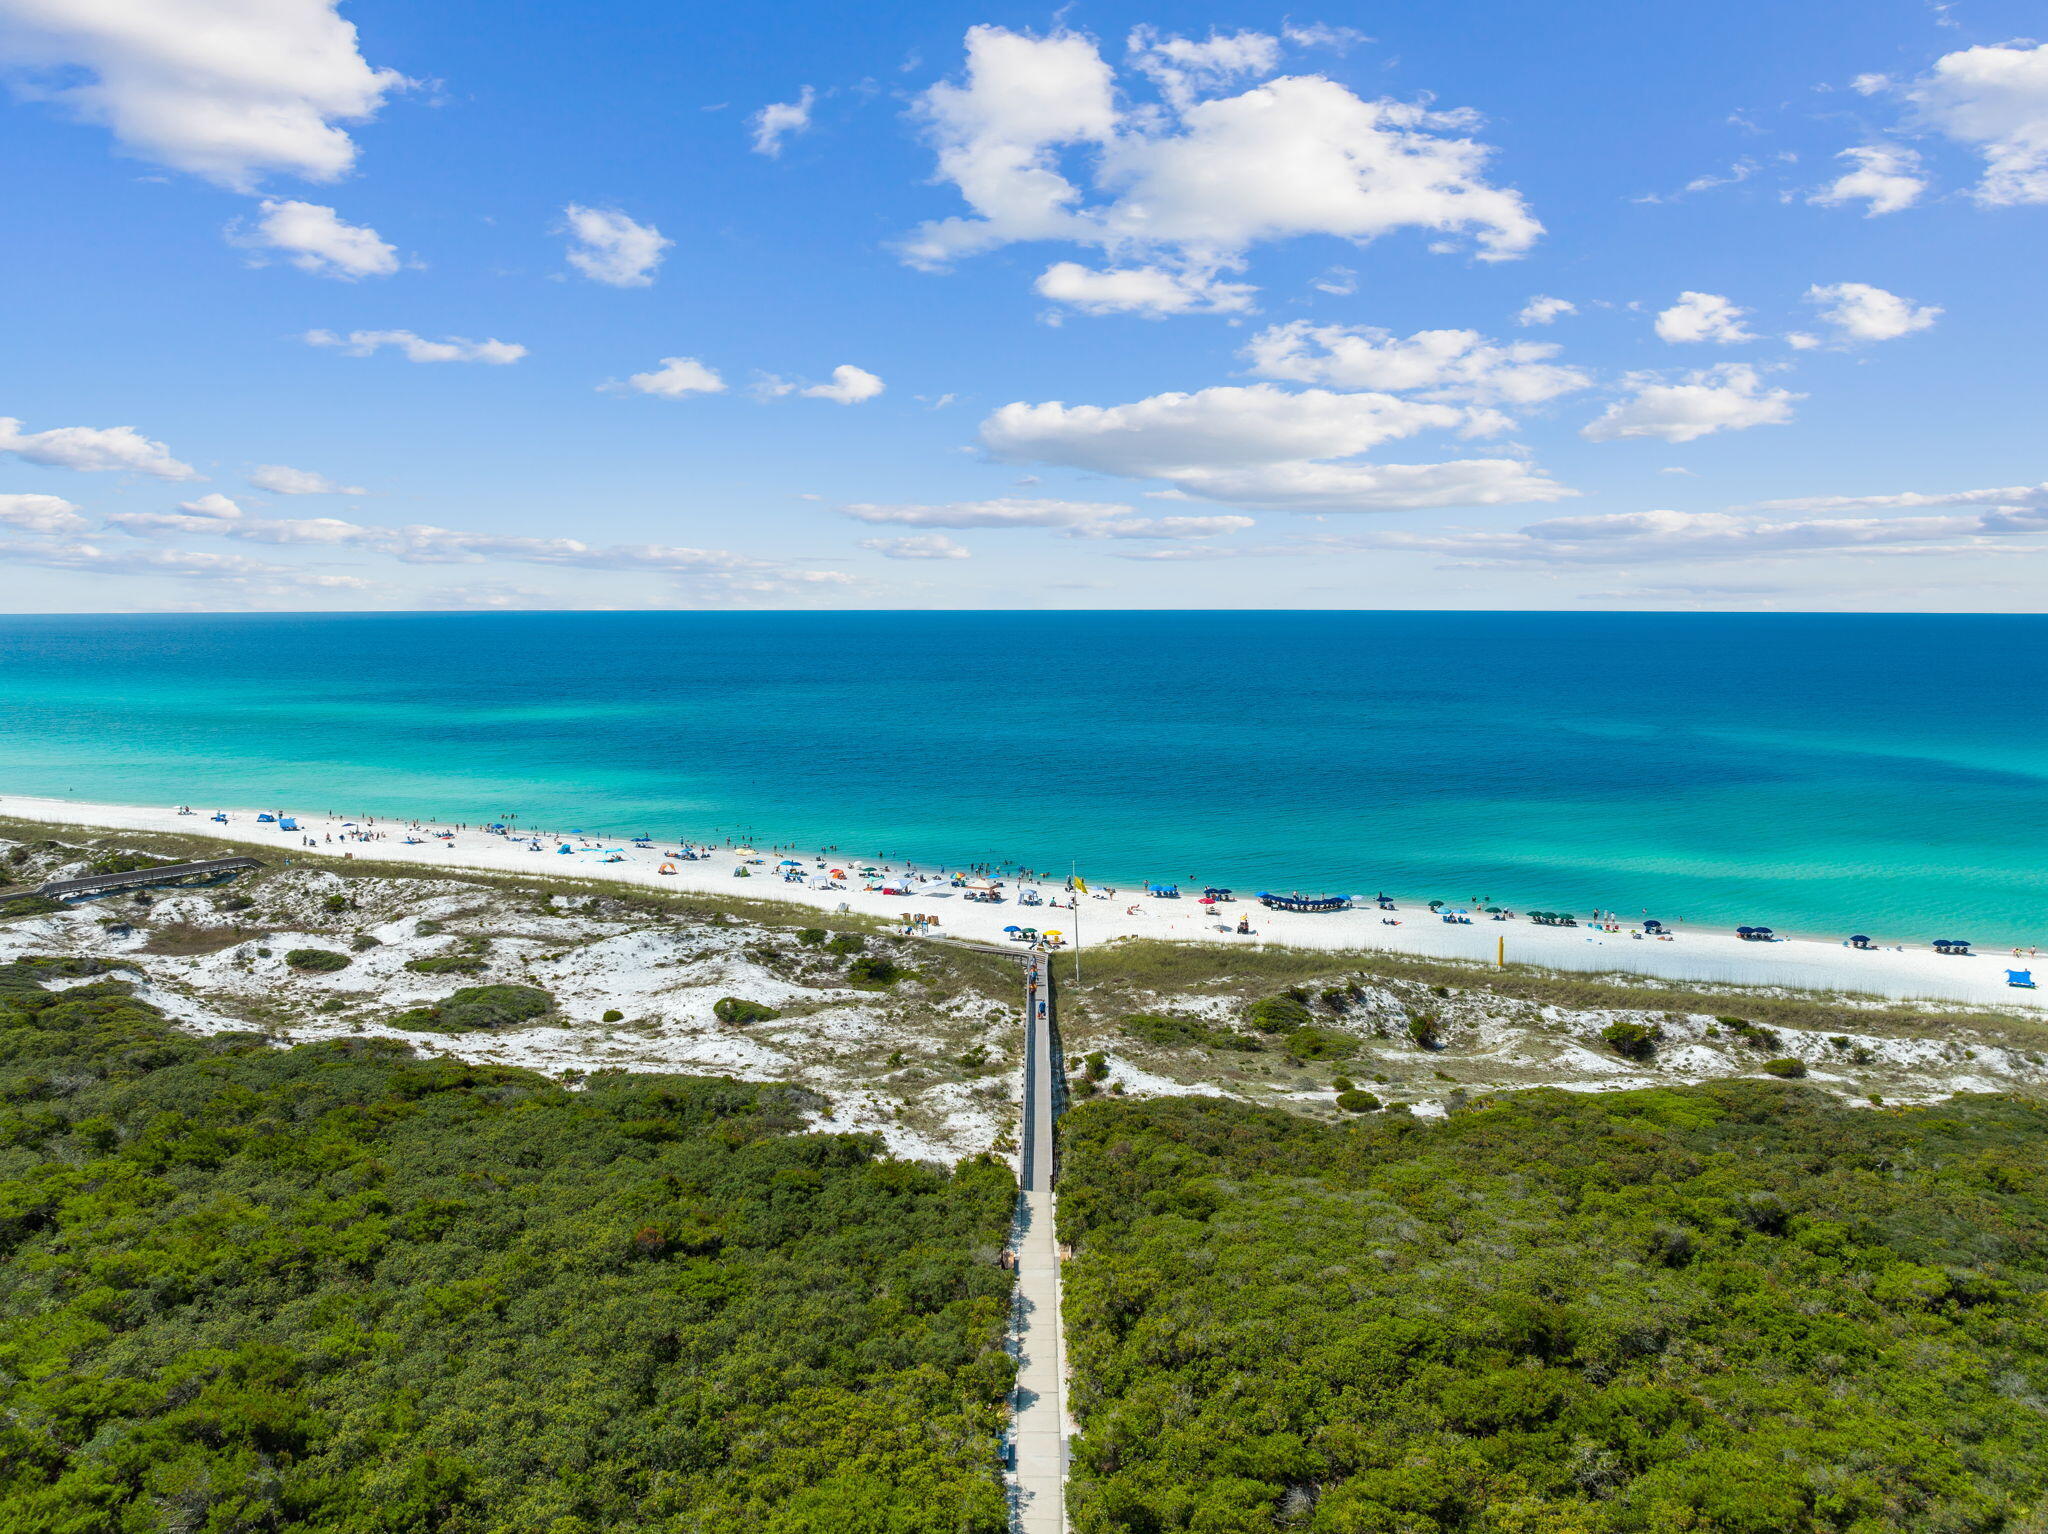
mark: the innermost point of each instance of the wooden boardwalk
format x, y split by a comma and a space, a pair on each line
1039, 1426
143, 878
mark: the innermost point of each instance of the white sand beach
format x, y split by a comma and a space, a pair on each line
1099, 916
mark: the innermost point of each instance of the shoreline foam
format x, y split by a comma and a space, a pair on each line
1694, 954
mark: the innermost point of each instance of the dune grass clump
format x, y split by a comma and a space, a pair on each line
1632, 1041
447, 964
1170, 1032
316, 961
478, 1007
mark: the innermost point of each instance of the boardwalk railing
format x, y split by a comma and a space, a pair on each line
143, 878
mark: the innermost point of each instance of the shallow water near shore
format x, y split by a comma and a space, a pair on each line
1819, 773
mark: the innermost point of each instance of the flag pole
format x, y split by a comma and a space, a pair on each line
1074, 907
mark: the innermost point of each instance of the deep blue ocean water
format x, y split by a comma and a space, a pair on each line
1820, 773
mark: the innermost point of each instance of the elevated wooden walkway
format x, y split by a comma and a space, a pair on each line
143, 878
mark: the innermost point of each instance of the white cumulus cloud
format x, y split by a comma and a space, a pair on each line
1151, 291
207, 514
1438, 364
849, 386
1184, 68
1644, 537
417, 348
607, 246
1703, 317
1728, 397
1884, 177
40, 514
230, 90
1078, 519
2011, 497
1861, 312
1008, 512
314, 239
1197, 181
1261, 445
1995, 99
918, 546
1544, 310
1149, 528
779, 120
677, 378
93, 449
281, 479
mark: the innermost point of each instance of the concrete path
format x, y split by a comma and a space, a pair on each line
1038, 1431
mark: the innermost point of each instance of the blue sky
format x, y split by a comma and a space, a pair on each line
1446, 305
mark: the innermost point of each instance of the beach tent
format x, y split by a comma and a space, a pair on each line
2023, 978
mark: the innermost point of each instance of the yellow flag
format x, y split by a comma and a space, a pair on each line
1080, 884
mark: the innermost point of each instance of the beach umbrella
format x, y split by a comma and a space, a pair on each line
1859, 937
1744, 931
1013, 929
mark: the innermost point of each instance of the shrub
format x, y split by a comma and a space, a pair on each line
1166, 1032
1337, 1000
123, 862
234, 903
875, 969
31, 905
1321, 1044
1279, 1014
1095, 1065
613, 1015
364, 943
1155, 1028
1788, 1067
314, 960
847, 943
447, 964
426, 926
1755, 1035
1342, 1084
478, 1007
810, 937
337, 902
1632, 1041
1422, 1031
1355, 1101
739, 1012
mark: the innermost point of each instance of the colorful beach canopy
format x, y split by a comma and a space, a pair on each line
1304, 902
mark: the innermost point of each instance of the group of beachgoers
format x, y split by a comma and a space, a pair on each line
978, 880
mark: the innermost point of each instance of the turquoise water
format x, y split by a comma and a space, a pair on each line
1817, 773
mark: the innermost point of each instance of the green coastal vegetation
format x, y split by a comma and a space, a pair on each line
350, 1287
339, 1287
1742, 1308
